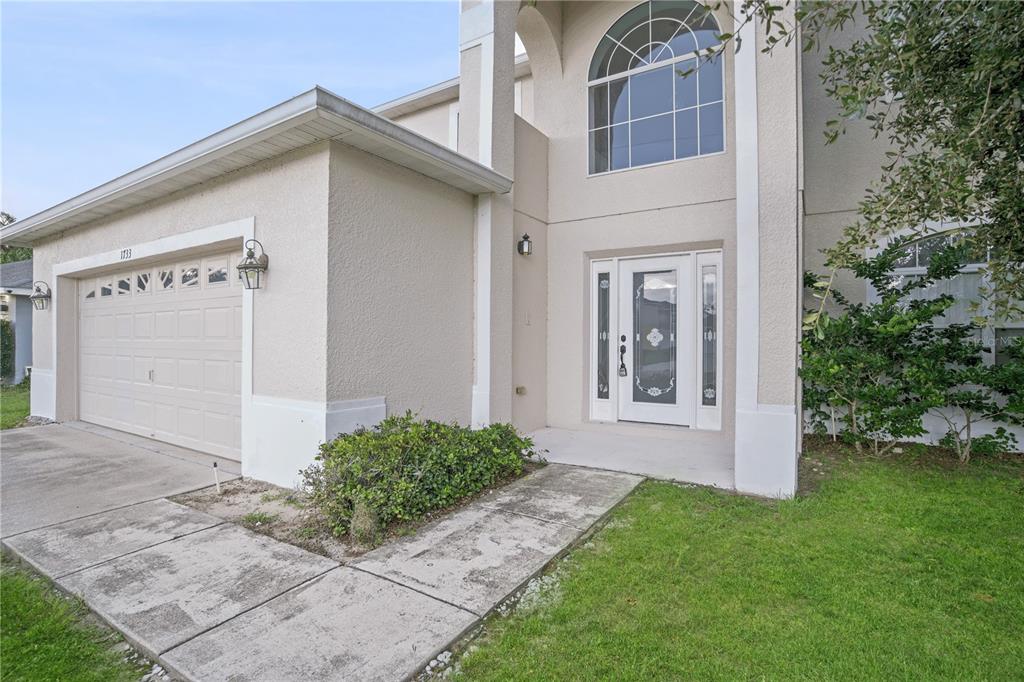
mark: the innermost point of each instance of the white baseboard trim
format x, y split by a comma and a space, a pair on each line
345, 416
766, 451
284, 435
43, 398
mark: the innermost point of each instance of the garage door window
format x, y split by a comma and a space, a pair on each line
142, 283
166, 279
124, 285
107, 288
217, 272
190, 275
89, 289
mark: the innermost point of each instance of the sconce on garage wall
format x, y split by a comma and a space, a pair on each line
525, 246
252, 267
41, 296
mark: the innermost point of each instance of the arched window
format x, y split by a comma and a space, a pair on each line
649, 101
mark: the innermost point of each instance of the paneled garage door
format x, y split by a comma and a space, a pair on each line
161, 352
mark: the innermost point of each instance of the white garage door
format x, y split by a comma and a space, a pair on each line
161, 352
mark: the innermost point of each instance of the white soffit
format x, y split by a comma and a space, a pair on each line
313, 116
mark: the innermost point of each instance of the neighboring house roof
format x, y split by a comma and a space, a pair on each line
313, 116
440, 93
16, 275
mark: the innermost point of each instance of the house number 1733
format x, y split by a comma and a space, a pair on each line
126, 254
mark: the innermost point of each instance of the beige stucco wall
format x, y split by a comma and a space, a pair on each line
676, 206
575, 196
835, 175
400, 294
530, 280
287, 197
432, 122
778, 146
571, 245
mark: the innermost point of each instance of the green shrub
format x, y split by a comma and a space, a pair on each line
6, 349
405, 467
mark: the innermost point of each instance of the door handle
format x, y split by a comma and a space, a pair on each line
622, 360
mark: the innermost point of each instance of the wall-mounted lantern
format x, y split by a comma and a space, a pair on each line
41, 296
251, 268
525, 246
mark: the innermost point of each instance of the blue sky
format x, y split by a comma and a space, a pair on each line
93, 90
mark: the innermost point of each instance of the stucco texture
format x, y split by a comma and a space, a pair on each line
287, 197
563, 119
676, 206
400, 290
571, 245
530, 280
836, 174
778, 123
431, 122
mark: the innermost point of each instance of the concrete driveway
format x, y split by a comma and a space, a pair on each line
50, 474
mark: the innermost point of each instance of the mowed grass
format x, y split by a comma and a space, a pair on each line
892, 569
45, 636
14, 405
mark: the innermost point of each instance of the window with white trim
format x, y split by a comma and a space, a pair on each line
651, 98
965, 288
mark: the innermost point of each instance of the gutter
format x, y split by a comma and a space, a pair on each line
304, 108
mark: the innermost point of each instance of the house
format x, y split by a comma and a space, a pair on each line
590, 241
15, 307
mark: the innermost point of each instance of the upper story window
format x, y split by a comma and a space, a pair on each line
649, 101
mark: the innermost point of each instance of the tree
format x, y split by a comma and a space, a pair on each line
889, 362
12, 254
950, 379
857, 359
943, 82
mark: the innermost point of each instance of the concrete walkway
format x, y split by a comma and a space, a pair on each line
213, 601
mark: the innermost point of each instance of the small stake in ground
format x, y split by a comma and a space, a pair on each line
216, 477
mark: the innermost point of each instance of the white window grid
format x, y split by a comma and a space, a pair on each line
95, 285
988, 332
713, 55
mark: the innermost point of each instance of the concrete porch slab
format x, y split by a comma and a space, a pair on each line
697, 458
574, 496
78, 544
54, 473
473, 558
345, 625
164, 595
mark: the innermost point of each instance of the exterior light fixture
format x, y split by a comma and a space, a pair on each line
525, 246
252, 267
41, 296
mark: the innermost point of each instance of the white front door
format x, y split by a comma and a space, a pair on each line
655, 340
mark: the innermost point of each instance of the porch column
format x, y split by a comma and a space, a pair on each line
487, 134
767, 267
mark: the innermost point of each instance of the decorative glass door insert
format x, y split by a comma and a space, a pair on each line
655, 309
656, 340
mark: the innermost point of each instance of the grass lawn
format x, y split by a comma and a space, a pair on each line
14, 405
44, 636
907, 568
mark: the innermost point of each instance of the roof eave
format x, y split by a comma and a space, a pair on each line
310, 105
